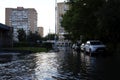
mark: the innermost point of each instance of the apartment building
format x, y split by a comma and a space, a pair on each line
40, 31
20, 17
62, 7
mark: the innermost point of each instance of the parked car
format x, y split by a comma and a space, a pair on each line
94, 46
82, 47
76, 47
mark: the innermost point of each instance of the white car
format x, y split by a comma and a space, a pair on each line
82, 47
94, 46
74, 46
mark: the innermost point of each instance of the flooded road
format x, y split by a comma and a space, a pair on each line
63, 65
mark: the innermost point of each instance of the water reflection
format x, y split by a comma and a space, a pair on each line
46, 66
64, 65
21, 69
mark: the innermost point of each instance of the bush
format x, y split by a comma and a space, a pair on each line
47, 45
26, 44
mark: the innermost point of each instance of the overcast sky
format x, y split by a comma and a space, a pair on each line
44, 8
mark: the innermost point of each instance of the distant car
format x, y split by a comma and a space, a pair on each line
76, 47
94, 46
82, 47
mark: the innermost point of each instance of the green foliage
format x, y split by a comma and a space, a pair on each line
32, 49
108, 21
50, 37
94, 19
21, 35
33, 37
27, 44
26, 49
68, 36
48, 46
31, 40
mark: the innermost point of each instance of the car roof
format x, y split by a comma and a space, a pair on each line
93, 41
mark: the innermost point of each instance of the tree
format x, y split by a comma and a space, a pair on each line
108, 21
81, 18
21, 35
50, 37
33, 37
94, 19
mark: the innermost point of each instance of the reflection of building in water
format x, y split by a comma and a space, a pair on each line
25, 18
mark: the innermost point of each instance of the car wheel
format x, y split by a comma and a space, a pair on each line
90, 51
84, 51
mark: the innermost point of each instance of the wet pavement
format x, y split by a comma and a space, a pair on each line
63, 65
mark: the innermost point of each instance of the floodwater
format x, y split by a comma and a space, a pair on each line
63, 65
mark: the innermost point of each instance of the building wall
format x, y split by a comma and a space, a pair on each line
8, 12
32, 18
61, 9
5, 36
20, 17
40, 31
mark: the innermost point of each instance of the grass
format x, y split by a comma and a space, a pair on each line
29, 49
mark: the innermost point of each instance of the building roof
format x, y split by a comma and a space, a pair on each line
4, 27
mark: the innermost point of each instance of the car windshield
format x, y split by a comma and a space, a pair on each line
96, 43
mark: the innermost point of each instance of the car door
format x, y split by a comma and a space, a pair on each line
88, 47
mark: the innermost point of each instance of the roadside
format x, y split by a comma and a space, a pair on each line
11, 54
24, 49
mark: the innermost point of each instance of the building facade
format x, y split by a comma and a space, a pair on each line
40, 31
5, 36
21, 18
62, 7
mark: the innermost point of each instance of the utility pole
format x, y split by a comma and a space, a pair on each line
55, 17
55, 43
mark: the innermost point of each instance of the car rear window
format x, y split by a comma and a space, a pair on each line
96, 43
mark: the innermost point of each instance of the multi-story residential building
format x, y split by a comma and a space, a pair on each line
62, 7
20, 17
40, 31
